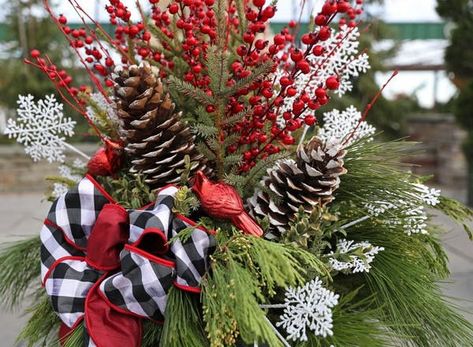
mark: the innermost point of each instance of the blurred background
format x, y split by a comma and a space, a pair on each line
431, 101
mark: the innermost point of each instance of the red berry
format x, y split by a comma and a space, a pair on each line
291, 91
320, 93
61, 19
209, 2
309, 120
89, 40
173, 8
279, 39
297, 55
329, 8
292, 24
35, 53
320, 20
332, 83
343, 7
288, 140
269, 12
324, 33
259, 3
318, 50
304, 66
210, 108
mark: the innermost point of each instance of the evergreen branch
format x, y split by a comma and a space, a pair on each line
403, 283
231, 161
457, 212
242, 23
205, 131
151, 334
258, 73
183, 325
20, 268
232, 120
190, 91
230, 140
76, 337
220, 9
163, 37
205, 150
41, 329
217, 67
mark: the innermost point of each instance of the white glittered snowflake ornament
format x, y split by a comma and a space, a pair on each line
353, 257
308, 308
345, 125
41, 127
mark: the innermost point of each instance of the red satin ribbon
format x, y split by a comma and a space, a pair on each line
106, 326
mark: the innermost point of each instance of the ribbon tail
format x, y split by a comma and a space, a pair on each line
106, 326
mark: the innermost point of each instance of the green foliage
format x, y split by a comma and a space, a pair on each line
19, 270
76, 337
43, 325
257, 172
185, 201
457, 212
105, 124
310, 230
130, 191
183, 325
247, 271
402, 283
151, 334
354, 325
375, 172
190, 91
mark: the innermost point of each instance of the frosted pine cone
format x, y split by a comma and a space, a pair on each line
308, 181
156, 139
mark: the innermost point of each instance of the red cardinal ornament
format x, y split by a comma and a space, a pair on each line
107, 160
222, 201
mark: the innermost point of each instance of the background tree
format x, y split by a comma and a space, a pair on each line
459, 60
27, 27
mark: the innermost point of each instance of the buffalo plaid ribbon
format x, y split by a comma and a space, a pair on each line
113, 267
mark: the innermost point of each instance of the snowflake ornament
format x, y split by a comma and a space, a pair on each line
41, 127
308, 307
342, 60
412, 211
430, 196
340, 125
353, 257
66, 172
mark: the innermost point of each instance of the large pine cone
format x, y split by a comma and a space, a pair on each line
308, 181
156, 139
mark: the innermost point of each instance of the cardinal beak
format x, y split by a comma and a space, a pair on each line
199, 180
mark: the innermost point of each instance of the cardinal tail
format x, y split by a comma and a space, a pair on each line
247, 224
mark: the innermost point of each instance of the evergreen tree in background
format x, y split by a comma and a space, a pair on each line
27, 27
459, 59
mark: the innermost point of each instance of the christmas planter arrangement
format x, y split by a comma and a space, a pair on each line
227, 206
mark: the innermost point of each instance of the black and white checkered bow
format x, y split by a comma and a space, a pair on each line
91, 244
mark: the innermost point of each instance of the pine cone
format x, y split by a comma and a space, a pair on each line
156, 139
308, 181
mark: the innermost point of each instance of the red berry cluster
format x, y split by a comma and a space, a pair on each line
197, 22
271, 120
275, 105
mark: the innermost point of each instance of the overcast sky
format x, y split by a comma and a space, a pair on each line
392, 11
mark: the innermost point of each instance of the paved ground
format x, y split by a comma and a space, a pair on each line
21, 215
